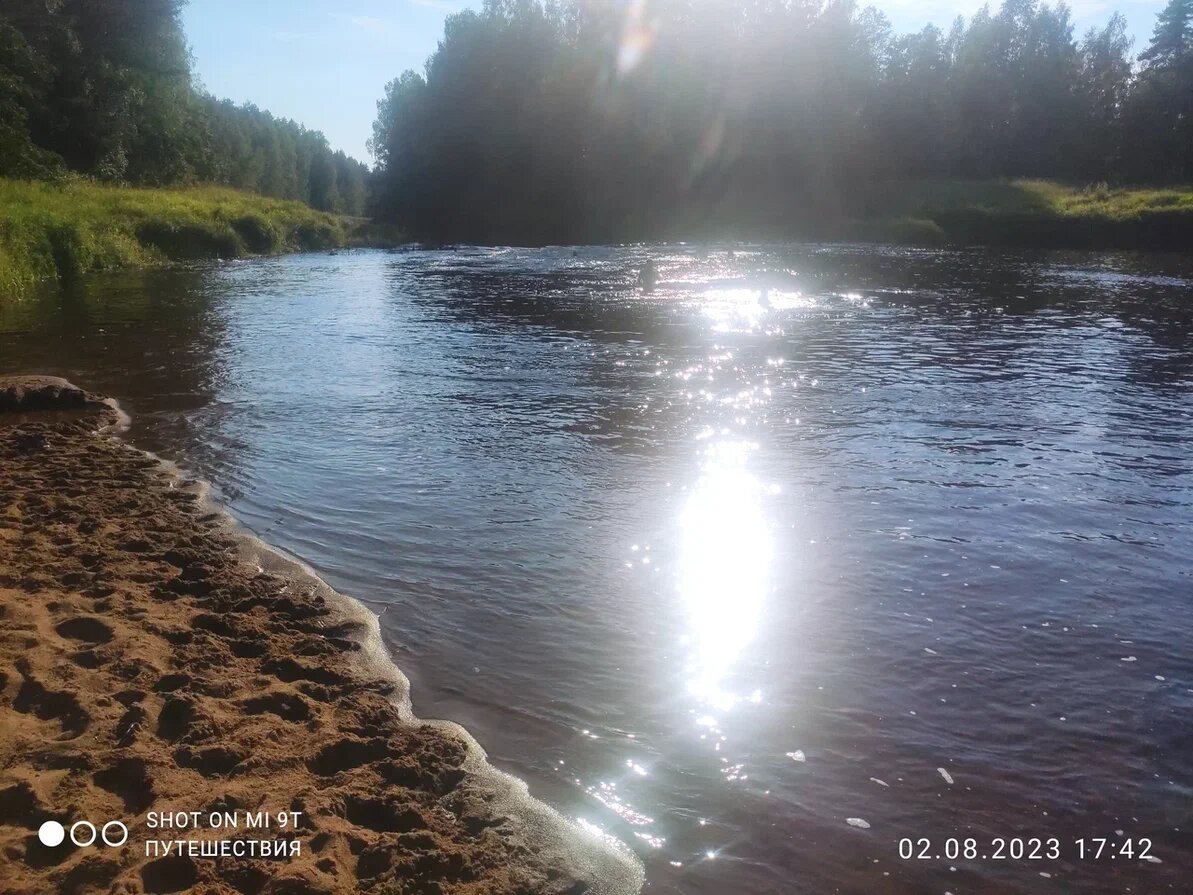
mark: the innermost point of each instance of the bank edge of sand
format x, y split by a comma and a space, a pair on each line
156, 656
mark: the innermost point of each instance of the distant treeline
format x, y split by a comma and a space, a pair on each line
622, 119
104, 88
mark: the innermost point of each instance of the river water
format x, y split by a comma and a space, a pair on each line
743, 571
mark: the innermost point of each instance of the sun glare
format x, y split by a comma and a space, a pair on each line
637, 37
726, 553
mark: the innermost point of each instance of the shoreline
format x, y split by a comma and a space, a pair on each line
59, 232
1018, 213
157, 657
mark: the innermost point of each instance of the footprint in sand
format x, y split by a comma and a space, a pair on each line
347, 754
85, 629
130, 779
176, 873
177, 718
52, 705
170, 683
216, 761
287, 706
383, 816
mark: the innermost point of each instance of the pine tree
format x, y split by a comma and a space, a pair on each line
1172, 41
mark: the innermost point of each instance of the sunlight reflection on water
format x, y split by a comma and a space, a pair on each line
738, 309
723, 575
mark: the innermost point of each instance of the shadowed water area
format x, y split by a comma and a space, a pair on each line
808, 551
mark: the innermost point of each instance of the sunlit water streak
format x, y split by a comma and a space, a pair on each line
809, 550
724, 567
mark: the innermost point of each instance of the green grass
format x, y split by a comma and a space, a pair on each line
63, 230
1029, 213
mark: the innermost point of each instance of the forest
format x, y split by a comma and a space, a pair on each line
105, 89
606, 120
616, 120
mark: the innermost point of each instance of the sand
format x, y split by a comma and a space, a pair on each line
154, 659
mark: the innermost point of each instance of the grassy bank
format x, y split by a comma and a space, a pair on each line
63, 230
49, 230
1025, 213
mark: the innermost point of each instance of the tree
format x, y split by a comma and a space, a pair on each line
23, 81
104, 87
591, 119
1161, 108
1104, 88
1172, 40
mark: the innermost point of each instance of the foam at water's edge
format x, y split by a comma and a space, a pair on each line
606, 862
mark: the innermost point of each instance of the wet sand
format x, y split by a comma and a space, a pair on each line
155, 659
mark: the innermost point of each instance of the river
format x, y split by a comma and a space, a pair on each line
811, 550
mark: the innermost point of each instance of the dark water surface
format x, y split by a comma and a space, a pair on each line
744, 586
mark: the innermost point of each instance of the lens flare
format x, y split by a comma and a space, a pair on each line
637, 37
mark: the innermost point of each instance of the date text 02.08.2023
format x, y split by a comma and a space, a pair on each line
1016, 848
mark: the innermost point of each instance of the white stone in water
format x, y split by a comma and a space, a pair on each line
930, 651
1128, 658
797, 755
948, 778
857, 822
879, 782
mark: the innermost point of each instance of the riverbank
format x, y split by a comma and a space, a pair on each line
154, 659
61, 231
1024, 214
1021, 214
64, 230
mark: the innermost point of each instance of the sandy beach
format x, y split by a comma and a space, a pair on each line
155, 662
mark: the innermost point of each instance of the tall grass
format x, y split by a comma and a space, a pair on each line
63, 230
1035, 213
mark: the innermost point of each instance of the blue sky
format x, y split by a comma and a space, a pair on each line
325, 63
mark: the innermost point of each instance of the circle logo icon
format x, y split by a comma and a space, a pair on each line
51, 833
83, 834
117, 825
86, 825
